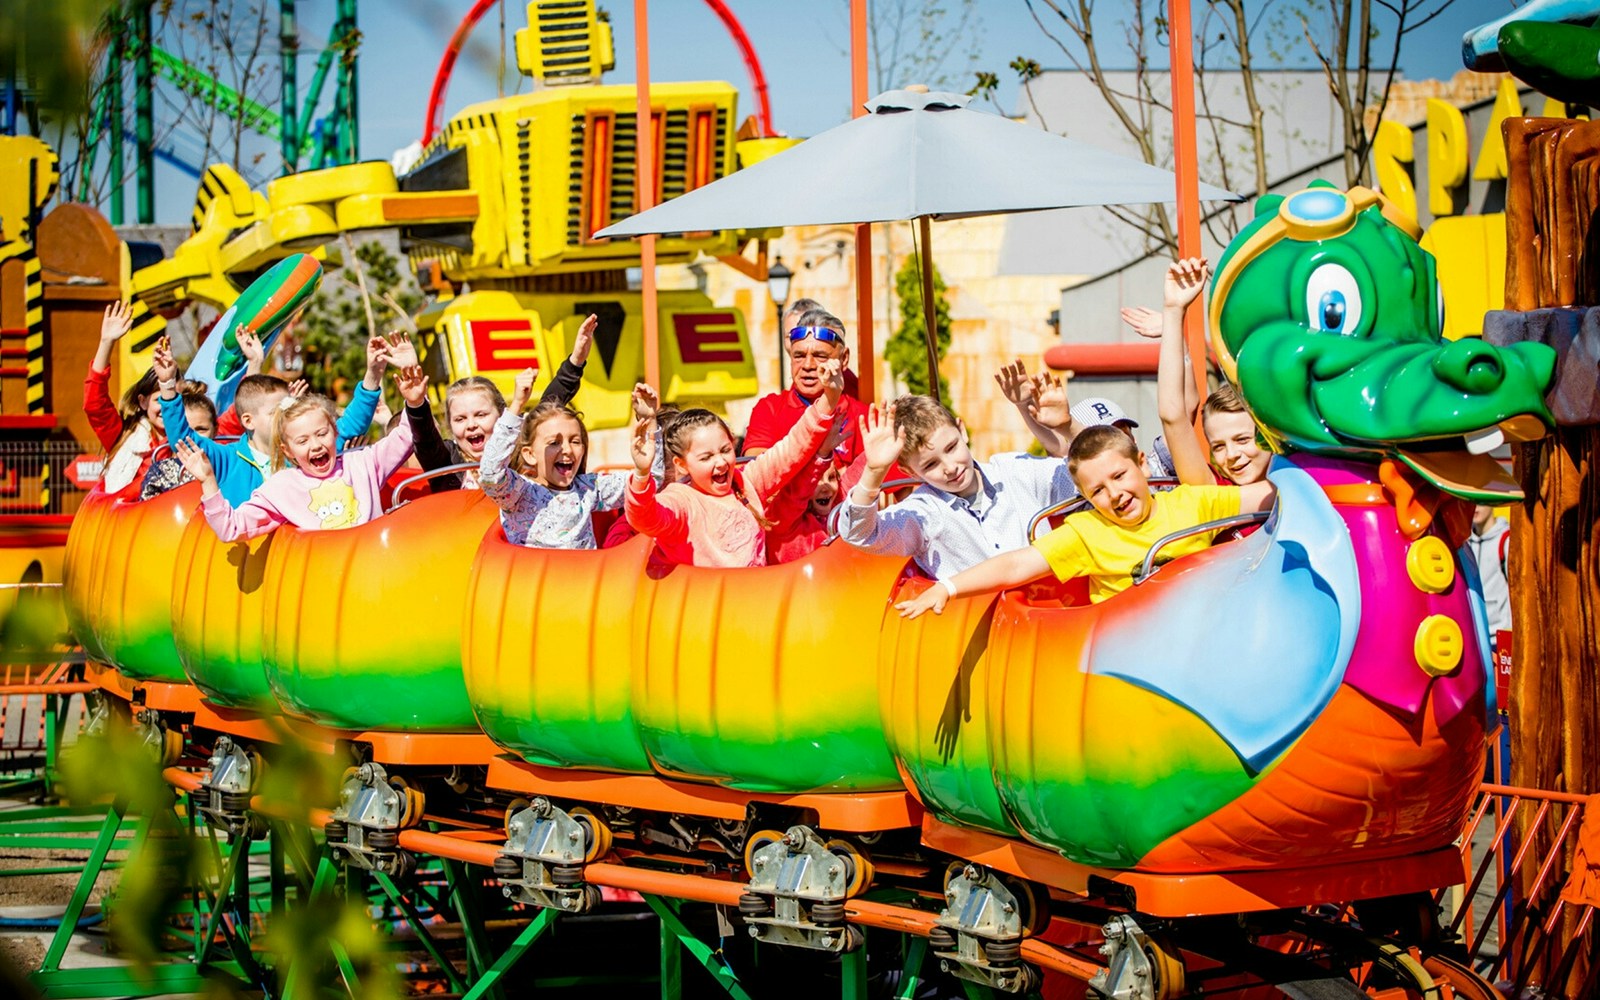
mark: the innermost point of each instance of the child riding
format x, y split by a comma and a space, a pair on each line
717, 517
321, 488
1108, 542
553, 505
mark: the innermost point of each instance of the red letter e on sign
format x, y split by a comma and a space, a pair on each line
503, 344
707, 338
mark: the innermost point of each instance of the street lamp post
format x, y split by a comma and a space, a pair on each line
778, 280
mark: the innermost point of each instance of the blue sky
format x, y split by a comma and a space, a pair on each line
801, 43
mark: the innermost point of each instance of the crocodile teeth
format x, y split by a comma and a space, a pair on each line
1484, 441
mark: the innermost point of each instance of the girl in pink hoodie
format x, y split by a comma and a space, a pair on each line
717, 517
322, 488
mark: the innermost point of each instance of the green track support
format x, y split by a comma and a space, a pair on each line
421, 930
911, 969
490, 980
853, 974
465, 898
674, 935
80, 894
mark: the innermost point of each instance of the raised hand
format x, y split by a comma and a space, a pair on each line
646, 402
377, 361
166, 367
643, 448
1185, 278
413, 385
250, 346
584, 340
116, 322
196, 464
881, 440
1050, 405
833, 382
522, 389
1014, 383
402, 351
1146, 322
299, 387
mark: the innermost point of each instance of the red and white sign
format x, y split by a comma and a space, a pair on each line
86, 470
500, 345
707, 338
1502, 669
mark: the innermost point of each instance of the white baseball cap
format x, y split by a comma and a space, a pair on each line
1097, 410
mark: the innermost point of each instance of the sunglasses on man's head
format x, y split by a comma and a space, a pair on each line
821, 333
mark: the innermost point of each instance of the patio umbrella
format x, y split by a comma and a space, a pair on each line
917, 156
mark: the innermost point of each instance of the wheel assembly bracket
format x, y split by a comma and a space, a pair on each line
542, 861
978, 935
797, 889
224, 795
373, 809
1129, 972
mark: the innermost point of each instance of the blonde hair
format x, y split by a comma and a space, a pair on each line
288, 409
542, 414
1096, 441
675, 433
919, 417
1225, 399
470, 383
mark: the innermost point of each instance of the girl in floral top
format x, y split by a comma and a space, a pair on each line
549, 501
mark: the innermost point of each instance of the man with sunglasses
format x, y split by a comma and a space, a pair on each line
817, 337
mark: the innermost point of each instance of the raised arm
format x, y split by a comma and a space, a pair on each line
569, 377
895, 532
1010, 569
509, 491
1185, 279
98, 405
256, 516
643, 507
1021, 391
770, 470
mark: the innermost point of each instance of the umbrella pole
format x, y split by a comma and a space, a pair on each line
930, 313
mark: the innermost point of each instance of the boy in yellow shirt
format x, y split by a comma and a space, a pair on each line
1108, 543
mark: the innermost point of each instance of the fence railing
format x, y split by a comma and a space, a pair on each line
44, 477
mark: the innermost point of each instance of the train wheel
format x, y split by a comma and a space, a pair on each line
171, 747
1468, 985
754, 844
1165, 960
951, 871
597, 844
412, 804
1035, 902
517, 805
860, 869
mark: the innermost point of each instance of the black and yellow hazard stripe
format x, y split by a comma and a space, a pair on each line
147, 328
33, 323
213, 185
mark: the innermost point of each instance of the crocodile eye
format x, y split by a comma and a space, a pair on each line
1333, 301
1440, 290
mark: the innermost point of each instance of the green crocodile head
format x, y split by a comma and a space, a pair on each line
1327, 316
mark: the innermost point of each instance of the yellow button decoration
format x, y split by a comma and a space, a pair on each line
1430, 565
1438, 645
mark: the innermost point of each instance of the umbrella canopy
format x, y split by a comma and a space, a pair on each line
917, 155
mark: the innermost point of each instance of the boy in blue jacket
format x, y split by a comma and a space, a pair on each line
244, 464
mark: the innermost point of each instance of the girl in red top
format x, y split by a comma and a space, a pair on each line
131, 430
717, 517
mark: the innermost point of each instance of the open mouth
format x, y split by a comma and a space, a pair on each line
722, 478
1463, 466
319, 461
564, 468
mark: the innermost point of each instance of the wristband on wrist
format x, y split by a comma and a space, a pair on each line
169, 384
948, 586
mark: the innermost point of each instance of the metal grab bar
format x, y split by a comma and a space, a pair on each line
1148, 568
838, 506
164, 449
1071, 505
423, 476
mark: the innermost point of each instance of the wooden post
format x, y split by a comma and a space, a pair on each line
1187, 163
644, 187
930, 309
866, 360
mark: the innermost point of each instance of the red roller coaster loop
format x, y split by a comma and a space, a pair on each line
434, 120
